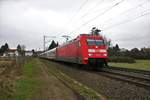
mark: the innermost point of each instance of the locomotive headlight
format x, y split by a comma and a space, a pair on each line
105, 54
90, 54
91, 50
85, 58
102, 50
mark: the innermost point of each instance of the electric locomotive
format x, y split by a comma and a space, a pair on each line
86, 49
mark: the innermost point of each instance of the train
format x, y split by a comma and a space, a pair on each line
85, 49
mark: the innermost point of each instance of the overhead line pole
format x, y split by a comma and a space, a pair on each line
44, 40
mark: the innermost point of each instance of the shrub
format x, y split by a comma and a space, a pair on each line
120, 59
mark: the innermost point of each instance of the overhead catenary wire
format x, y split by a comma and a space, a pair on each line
127, 21
76, 13
100, 14
89, 10
122, 13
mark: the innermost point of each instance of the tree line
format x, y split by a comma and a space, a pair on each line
5, 48
116, 51
143, 53
53, 45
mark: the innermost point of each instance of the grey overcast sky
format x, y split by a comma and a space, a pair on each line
126, 22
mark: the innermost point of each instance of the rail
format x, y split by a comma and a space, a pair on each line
128, 76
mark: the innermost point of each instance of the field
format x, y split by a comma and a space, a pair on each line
39, 81
9, 72
36, 79
140, 64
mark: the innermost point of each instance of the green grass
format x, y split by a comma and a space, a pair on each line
140, 64
27, 85
28, 69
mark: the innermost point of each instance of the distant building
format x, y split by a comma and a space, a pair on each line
14, 53
28, 53
147, 50
11, 53
123, 50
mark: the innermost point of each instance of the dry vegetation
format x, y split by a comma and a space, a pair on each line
9, 73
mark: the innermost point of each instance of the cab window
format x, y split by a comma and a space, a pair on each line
95, 42
90, 42
99, 42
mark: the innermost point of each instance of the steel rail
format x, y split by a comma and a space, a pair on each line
132, 77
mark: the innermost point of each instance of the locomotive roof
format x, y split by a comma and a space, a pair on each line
89, 35
78, 38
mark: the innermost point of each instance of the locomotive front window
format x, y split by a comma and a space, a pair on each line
99, 42
95, 42
91, 42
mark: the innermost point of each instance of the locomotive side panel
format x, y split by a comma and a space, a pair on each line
68, 52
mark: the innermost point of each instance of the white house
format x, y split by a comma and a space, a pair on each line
14, 53
28, 53
11, 53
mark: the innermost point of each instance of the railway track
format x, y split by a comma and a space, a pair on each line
137, 77
131, 70
134, 77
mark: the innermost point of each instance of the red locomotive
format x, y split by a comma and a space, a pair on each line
85, 49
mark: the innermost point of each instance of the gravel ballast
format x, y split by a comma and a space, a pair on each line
110, 88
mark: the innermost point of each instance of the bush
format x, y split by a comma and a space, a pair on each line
122, 59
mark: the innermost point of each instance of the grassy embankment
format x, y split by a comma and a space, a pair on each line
83, 90
31, 84
8, 75
28, 84
17, 80
140, 64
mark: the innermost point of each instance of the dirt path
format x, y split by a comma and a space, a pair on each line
53, 89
